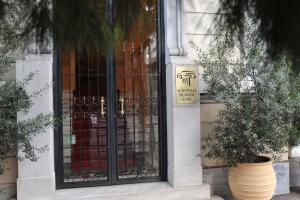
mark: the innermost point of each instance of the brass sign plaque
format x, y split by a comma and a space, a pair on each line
186, 85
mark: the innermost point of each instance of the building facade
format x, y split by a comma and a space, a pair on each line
131, 120
121, 123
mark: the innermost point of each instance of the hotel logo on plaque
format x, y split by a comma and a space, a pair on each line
186, 85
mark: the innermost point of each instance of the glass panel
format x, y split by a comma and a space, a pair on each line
137, 90
84, 101
84, 122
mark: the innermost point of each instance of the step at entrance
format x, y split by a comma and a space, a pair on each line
145, 191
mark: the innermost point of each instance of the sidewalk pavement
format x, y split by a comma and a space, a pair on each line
294, 195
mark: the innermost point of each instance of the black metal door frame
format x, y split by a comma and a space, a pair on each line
111, 109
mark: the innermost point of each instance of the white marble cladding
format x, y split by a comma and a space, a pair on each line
183, 121
200, 23
142, 191
199, 16
185, 19
282, 170
174, 28
295, 171
37, 179
8, 192
184, 166
38, 47
294, 155
295, 151
202, 6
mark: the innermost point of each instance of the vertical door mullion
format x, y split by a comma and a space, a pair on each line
112, 118
162, 90
111, 104
114, 112
59, 166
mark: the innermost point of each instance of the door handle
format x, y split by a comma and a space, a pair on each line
121, 100
102, 112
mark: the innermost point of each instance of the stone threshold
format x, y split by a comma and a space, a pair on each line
141, 191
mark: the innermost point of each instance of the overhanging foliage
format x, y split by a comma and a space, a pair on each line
278, 21
77, 23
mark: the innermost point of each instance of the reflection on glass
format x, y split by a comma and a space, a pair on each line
84, 126
137, 82
87, 92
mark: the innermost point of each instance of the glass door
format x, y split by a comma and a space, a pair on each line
111, 104
137, 90
84, 120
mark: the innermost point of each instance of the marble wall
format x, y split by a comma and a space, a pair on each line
295, 171
37, 179
8, 192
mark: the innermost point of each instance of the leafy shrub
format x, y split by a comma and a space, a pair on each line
259, 98
16, 135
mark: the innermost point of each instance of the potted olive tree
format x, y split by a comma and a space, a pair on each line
257, 121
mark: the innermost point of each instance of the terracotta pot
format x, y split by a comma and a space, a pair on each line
252, 181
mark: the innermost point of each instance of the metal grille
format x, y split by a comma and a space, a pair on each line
111, 107
137, 78
138, 128
84, 128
